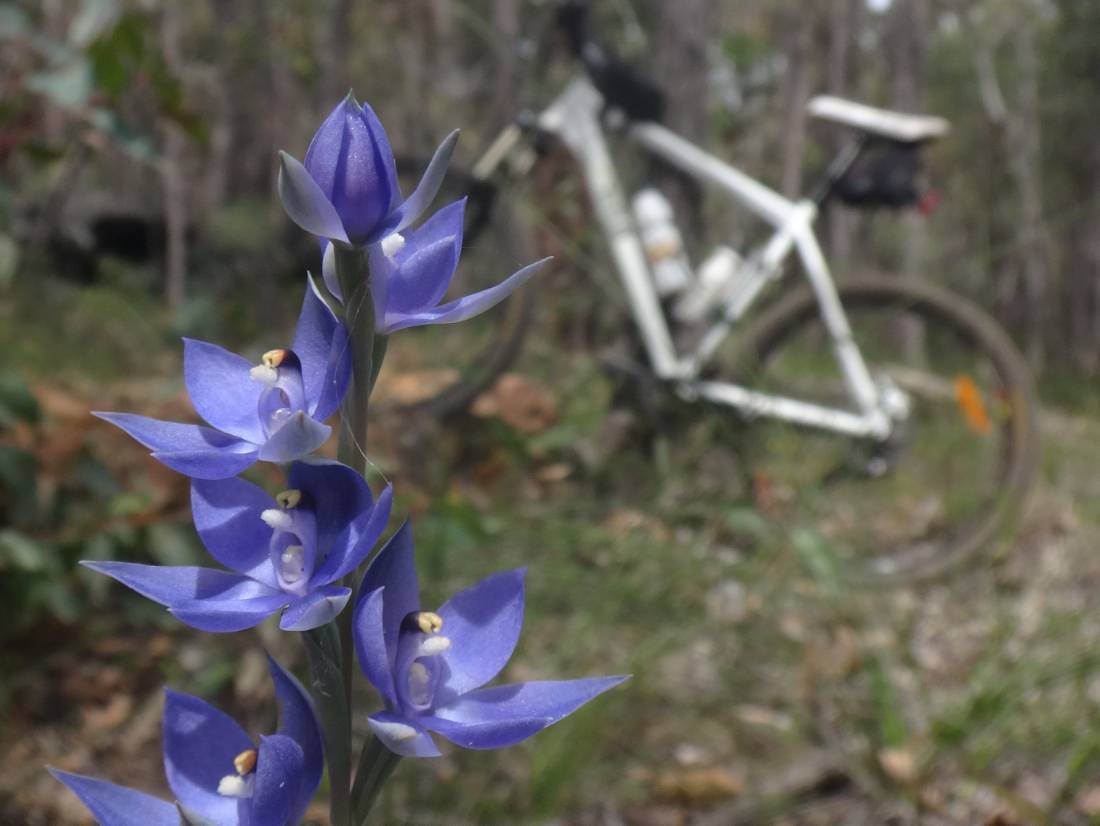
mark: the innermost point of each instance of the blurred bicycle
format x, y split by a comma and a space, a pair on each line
916, 437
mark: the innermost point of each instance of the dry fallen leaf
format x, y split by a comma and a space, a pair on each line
699, 785
518, 401
1087, 801
557, 472
402, 388
899, 765
105, 718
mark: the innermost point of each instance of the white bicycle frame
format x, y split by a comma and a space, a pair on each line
575, 116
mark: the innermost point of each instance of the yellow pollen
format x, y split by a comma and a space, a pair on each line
429, 622
289, 499
273, 358
245, 762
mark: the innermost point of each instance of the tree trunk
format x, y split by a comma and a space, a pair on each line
842, 25
1018, 130
686, 28
173, 176
906, 45
797, 83
506, 26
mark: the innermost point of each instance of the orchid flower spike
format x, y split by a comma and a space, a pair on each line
288, 552
430, 666
218, 774
272, 411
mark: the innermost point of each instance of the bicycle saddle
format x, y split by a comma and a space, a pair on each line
884, 123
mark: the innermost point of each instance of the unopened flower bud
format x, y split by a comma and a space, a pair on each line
351, 161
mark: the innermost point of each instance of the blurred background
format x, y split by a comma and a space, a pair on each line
138, 147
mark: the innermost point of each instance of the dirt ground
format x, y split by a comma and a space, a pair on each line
762, 693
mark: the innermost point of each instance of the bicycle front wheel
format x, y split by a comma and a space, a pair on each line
958, 464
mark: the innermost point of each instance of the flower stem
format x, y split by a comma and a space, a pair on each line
376, 764
354, 277
377, 357
327, 669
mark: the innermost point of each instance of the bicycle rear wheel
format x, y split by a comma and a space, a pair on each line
953, 474
441, 369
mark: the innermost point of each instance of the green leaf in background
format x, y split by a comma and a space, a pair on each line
18, 486
9, 260
17, 403
819, 558
21, 553
892, 728
118, 55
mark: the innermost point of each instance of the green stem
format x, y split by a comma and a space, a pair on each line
376, 764
354, 277
377, 357
330, 650
327, 669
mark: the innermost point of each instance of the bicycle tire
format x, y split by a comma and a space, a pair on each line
463, 360
1006, 395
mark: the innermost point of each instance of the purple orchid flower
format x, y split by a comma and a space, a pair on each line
288, 552
347, 190
347, 193
429, 666
273, 411
216, 772
411, 273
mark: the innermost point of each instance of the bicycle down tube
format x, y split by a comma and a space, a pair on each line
575, 117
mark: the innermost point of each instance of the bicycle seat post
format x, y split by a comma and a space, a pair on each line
838, 168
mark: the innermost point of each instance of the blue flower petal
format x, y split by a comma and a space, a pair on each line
200, 743
328, 272
426, 264
226, 513
321, 344
279, 781
355, 543
191, 449
113, 805
172, 585
491, 718
462, 308
298, 720
226, 616
425, 192
167, 437
222, 390
337, 494
402, 736
395, 570
315, 608
299, 436
305, 202
208, 464
369, 633
483, 623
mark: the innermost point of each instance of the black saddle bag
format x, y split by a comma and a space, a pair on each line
886, 175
